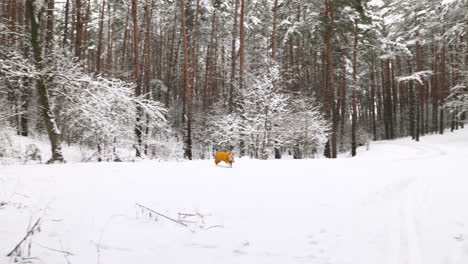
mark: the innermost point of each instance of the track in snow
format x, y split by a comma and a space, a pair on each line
401, 202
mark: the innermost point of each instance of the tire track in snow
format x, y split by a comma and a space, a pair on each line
423, 151
405, 241
405, 151
412, 231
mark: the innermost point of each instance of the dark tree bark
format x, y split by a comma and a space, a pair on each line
100, 34
41, 83
420, 92
241, 45
194, 68
372, 100
233, 58
79, 29
65, 27
188, 90
443, 90
329, 16
354, 114
136, 61
110, 40
273, 31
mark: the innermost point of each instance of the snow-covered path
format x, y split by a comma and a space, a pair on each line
400, 202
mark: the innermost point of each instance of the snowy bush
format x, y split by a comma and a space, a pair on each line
162, 144
8, 150
262, 107
216, 130
457, 101
267, 120
305, 129
16, 76
15, 149
101, 112
225, 131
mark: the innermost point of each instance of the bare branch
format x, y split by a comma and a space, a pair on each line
29, 233
164, 216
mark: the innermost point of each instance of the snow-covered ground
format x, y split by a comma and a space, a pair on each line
400, 202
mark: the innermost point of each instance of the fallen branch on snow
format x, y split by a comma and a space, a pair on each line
165, 216
56, 250
215, 226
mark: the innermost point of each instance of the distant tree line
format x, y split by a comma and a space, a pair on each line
258, 77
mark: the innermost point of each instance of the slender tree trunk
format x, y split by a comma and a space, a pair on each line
79, 29
86, 52
241, 45
394, 99
172, 60
273, 31
136, 61
342, 103
100, 33
241, 62
354, 114
65, 27
194, 67
372, 102
110, 40
124, 55
419, 87
435, 88
331, 98
188, 90
146, 67
207, 92
233, 57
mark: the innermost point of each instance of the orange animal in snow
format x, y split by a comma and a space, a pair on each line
227, 157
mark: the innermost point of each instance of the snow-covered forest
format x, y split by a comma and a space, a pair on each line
161, 79
233, 131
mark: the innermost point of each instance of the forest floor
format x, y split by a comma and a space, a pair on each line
400, 202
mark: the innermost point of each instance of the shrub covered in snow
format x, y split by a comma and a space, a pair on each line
267, 120
305, 129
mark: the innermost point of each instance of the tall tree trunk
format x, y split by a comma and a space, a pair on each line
65, 27
110, 40
329, 16
194, 73
79, 29
241, 62
372, 102
188, 90
146, 67
233, 57
273, 31
241, 45
172, 60
207, 94
435, 88
86, 36
123, 58
419, 87
100, 33
41, 84
136, 61
354, 114
342, 103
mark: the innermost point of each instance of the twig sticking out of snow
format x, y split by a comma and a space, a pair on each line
215, 226
30, 232
165, 216
56, 250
